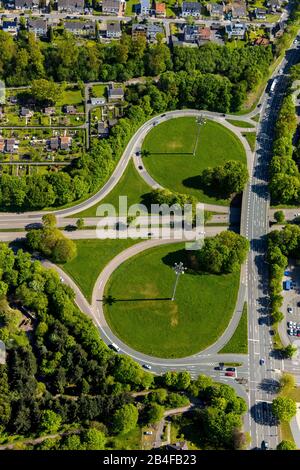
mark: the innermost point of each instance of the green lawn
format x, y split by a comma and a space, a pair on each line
171, 161
130, 441
239, 123
70, 96
238, 343
140, 312
251, 139
130, 185
92, 257
130, 6
256, 117
99, 90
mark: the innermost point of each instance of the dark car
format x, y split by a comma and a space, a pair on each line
259, 105
163, 115
272, 332
264, 445
231, 369
140, 167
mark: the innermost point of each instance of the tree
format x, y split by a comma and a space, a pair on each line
80, 223
279, 217
125, 419
286, 445
228, 179
50, 422
49, 220
65, 250
93, 439
155, 413
44, 91
287, 382
284, 408
289, 351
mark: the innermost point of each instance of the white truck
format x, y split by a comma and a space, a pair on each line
273, 86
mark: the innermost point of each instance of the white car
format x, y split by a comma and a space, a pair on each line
290, 310
147, 366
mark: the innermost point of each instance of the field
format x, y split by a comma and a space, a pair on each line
251, 138
130, 185
238, 343
141, 313
171, 161
92, 257
237, 123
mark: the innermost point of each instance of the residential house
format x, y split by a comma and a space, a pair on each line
81, 28
114, 7
216, 10
260, 13
114, 30
38, 26
261, 42
204, 35
49, 111
65, 142
103, 130
25, 112
160, 10
54, 143
153, 30
236, 30
274, 6
98, 101
10, 27
69, 109
179, 446
191, 9
239, 11
10, 145
191, 33
26, 4
138, 30
144, 7
115, 94
72, 6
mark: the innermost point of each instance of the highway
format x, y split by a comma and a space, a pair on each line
256, 225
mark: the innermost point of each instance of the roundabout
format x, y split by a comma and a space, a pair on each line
176, 152
141, 313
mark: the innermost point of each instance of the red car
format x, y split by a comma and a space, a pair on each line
229, 374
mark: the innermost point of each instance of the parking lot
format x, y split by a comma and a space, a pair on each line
291, 305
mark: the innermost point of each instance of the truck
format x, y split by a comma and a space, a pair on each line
272, 88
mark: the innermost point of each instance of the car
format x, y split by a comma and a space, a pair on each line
260, 321
138, 153
290, 309
272, 332
115, 347
298, 326
289, 323
163, 115
264, 445
229, 374
295, 333
261, 361
230, 369
147, 366
294, 324
61, 279
140, 167
148, 433
298, 333
281, 71
295, 42
259, 105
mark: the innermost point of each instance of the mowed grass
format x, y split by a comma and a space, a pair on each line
92, 257
171, 161
238, 343
131, 185
139, 310
237, 123
70, 96
251, 139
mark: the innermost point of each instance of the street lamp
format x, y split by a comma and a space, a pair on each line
179, 269
200, 120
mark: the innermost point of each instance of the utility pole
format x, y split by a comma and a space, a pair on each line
179, 269
200, 120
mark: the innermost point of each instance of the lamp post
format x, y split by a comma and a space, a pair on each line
179, 269
200, 120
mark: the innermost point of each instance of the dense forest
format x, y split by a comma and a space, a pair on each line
60, 378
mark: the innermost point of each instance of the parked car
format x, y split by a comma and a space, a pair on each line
290, 309
264, 445
261, 361
229, 374
231, 369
